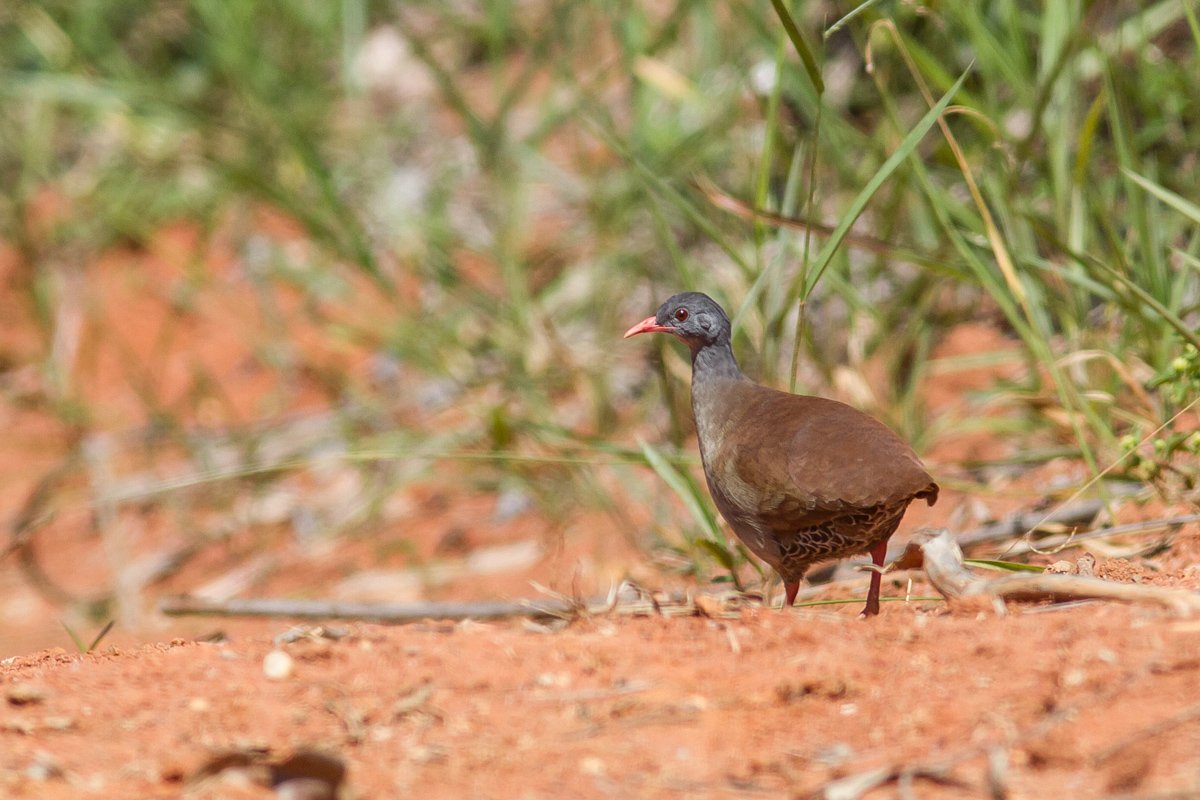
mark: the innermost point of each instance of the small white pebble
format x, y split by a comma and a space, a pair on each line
199, 704
278, 665
425, 754
553, 679
591, 765
836, 754
25, 694
848, 709
44, 767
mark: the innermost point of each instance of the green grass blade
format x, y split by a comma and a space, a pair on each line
1180, 204
844, 21
79, 645
686, 491
859, 204
1004, 566
100, 636
806, 55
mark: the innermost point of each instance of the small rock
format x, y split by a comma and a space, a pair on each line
44, 767
590, 765
708, 606
426, 754
17, 725
831, 688
305, 789
278, 666
308, 775
58, 723
553, 679
835, 754
25, 694
1061, 568
1073, 677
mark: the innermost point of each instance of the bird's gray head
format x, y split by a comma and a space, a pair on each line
694, 317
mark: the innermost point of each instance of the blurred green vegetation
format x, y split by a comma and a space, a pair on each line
521, 181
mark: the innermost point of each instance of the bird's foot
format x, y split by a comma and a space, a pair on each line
870, 610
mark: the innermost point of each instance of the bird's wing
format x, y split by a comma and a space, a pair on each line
825, 460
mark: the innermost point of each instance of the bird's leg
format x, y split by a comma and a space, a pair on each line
878, 554
790, 588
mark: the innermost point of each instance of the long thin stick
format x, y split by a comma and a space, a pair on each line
398, 613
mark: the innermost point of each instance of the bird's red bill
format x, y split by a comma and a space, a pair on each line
648, 325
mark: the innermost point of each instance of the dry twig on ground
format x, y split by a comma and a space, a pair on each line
627, 599
375, 612
943, 563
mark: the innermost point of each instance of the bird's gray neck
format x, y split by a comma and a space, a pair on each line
715, 362
713, 370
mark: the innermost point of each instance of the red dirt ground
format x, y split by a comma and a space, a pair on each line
1095, 700
1079, 703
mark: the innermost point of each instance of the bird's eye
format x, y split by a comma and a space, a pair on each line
681, 314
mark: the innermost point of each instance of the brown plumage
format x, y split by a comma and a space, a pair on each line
799, 479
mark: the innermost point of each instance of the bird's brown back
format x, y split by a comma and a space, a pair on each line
790, 461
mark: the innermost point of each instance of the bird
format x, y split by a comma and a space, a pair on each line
799, 478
